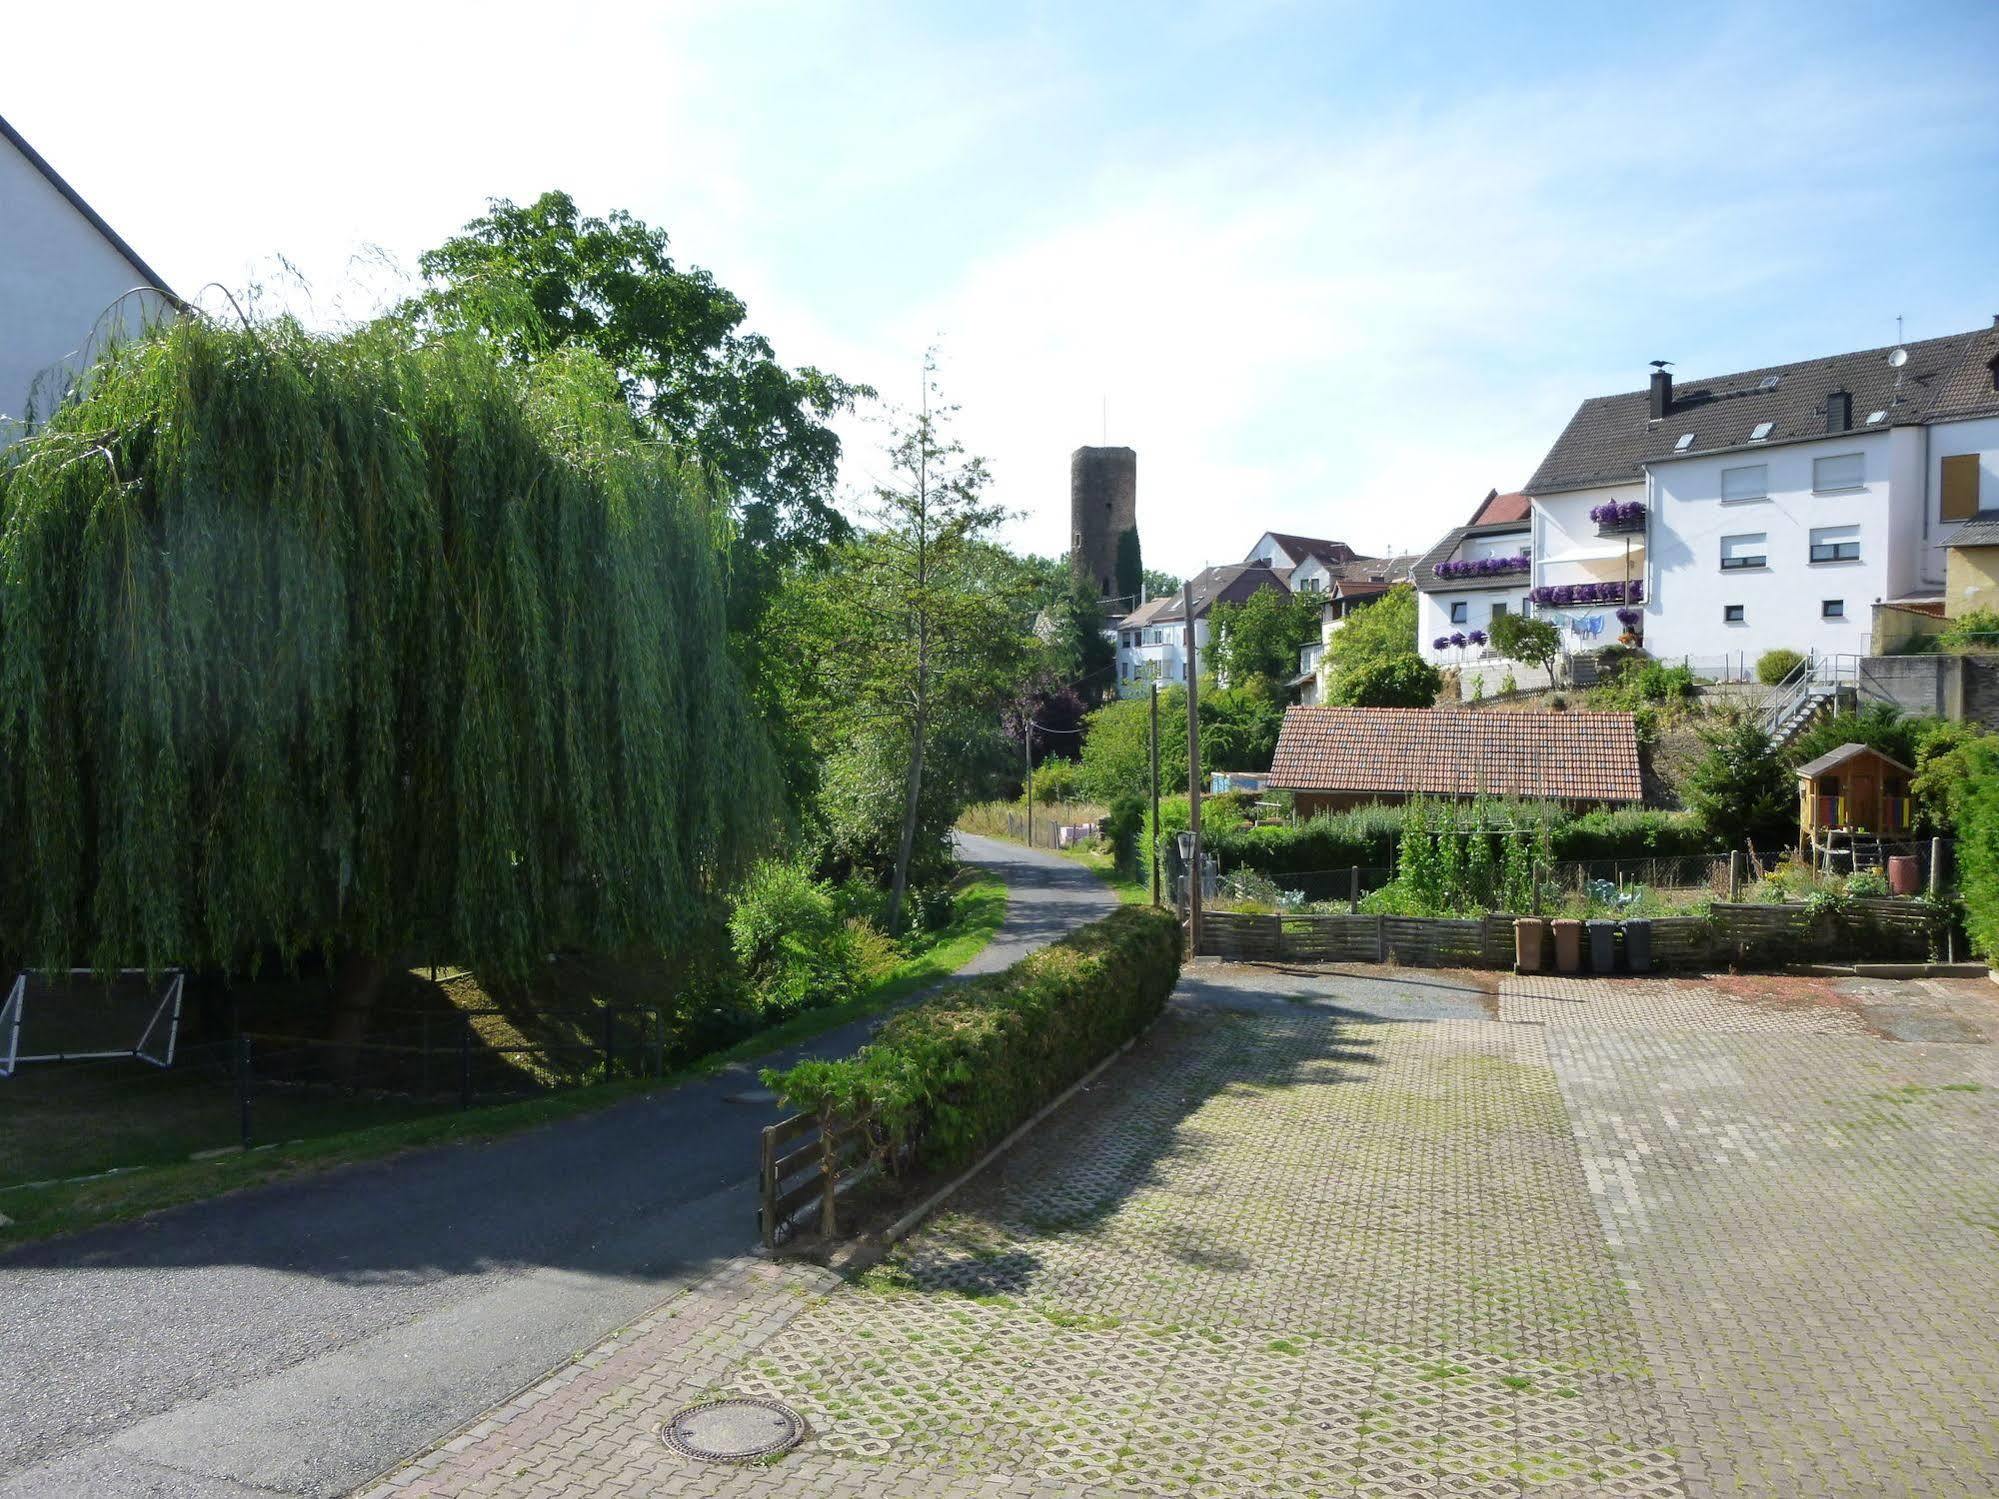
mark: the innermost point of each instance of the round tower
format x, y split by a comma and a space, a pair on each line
1103, 511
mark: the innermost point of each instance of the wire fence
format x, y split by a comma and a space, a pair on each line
1054, 827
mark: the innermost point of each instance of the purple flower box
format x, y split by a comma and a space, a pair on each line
1457, 637
1484, 567
1477, 637
1563, 595
1619, 515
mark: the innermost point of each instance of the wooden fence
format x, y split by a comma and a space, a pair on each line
1732, 933
801, 1167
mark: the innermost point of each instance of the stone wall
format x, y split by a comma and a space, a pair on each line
1960, 688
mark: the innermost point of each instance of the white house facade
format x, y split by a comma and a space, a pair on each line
1475, 575
68, 285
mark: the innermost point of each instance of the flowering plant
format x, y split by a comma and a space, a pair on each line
1589, 593
1630, 618
1483, 567
1457, 637
1618, 513
1441, 642
1477, 637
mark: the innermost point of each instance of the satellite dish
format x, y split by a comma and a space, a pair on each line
1897, 359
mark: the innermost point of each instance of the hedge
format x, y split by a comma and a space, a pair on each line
950, 1076
1978, 850
1369, 836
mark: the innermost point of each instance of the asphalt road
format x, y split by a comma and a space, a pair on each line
297, 1339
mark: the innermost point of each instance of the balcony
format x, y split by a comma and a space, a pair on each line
1619, 518
1481, 568
1571, 595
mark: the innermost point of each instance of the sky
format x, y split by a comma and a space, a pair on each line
1335, 269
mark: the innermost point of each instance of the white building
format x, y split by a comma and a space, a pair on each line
68, 285
1478, 573
1152, 638
1770, 508
1310, 563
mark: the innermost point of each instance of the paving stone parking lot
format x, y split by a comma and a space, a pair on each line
1390, 1232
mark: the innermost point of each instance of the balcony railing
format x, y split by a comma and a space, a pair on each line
1619, 518
1484, 567
1568, 595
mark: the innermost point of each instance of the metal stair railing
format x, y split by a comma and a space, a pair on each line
1813, 681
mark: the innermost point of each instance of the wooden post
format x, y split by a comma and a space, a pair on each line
1734, 873
1192, 671
767, 1186
1027, 753
1936, 866
1353, 890
1152, 837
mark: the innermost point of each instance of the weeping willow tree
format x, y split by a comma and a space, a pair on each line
361, 646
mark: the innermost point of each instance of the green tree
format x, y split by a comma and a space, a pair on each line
914, 633
1383, 630
342, 645
1978, 850
1258, 640
1130, 569
1879, 725
1946, 761
1117, 742
541, 277
1396, 682
1158, 584
1741, 788
1239, 727
1520, 637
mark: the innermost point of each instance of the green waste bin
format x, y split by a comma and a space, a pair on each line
1638, 945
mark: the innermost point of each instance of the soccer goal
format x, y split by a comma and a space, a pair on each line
80, 1014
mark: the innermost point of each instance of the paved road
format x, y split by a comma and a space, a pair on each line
297, 1339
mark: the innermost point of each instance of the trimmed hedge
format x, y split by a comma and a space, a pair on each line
1978, 850
956, 1073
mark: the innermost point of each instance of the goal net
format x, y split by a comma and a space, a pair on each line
81, 1014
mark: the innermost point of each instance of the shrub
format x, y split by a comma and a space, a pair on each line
1397, 682
1773, 666
1978, 850
1976, 631
957, 1072
1879, 725
1868, 883
788, 935
1741, 789
1943, 778
1057, 781
1520, 637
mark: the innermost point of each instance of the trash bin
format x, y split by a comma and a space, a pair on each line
1638, 945
1602, 946
1905, 874
1529, 935
1568, 943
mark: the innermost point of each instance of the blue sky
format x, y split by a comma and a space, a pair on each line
1335, 269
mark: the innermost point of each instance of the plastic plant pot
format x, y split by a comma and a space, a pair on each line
1638, 945
1568, 944
1530, 933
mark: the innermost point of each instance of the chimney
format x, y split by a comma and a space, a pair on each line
1662, 392
1838, 412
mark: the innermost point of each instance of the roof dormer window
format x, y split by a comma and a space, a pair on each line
1760, 431
1686, 441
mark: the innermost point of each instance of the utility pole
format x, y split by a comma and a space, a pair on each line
1152, 836
1027, 754
1193, 672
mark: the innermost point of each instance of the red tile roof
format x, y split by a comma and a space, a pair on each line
1575, 756
1498, 507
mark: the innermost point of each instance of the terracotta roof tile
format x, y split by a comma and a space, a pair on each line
1576, 756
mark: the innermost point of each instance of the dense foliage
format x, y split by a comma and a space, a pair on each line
348, 644
1742, 790
1257, 641
1773, 666
1397, 682
1239, 727
957, 1072
1978, 850
1878, 725
1383, 630
1520, 637
1117, 753
1465, 858
1948, 761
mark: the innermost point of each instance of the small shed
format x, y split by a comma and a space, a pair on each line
1853, 789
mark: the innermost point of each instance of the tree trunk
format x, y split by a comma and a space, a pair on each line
906, 846
356, 985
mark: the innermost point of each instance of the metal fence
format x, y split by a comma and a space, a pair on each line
1054, 827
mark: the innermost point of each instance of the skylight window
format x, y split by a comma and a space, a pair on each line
1686, 441
1760, 431
1876, 418
1770, 382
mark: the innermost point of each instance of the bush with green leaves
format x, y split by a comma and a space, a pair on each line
1741, 789
1056, 781
1396, 682
1879, 725
1521, 637
1773, 666
1977, 630
1117, 752
1978, 850
1944, 776
794, 946
954, 1074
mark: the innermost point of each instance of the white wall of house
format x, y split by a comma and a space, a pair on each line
1781, 503
1948, 440
1449, 613
58, 276
1158, 653
1310, 576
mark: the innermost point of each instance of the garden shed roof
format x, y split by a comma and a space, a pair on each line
1832, 759
1576, 756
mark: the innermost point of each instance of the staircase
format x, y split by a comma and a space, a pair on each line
1809, 693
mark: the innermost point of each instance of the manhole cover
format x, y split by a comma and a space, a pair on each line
733, 1431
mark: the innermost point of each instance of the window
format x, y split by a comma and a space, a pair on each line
1960, 486
1769, 382
1832, 609
1499, 610
1750, 482
1731, 614
1309, 585
1744, 551
1460, 613
1835, 543
1760, 431
1876, 418
1844, 471
1686, 441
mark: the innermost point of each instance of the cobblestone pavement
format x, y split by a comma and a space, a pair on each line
1565, 1238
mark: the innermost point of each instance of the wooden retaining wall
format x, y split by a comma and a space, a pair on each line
1734, 933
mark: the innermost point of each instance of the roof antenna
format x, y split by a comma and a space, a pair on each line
1898, 328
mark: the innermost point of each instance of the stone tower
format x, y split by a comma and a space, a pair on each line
1103, 509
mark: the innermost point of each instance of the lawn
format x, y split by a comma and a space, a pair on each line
154, 1131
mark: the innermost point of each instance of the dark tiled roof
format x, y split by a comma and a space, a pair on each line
1502, 507
1377, 569
1230, 583
1301, 547
1426, 579
1610, 438
1982, 530
1584, 757
1833, 758
1973, 387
